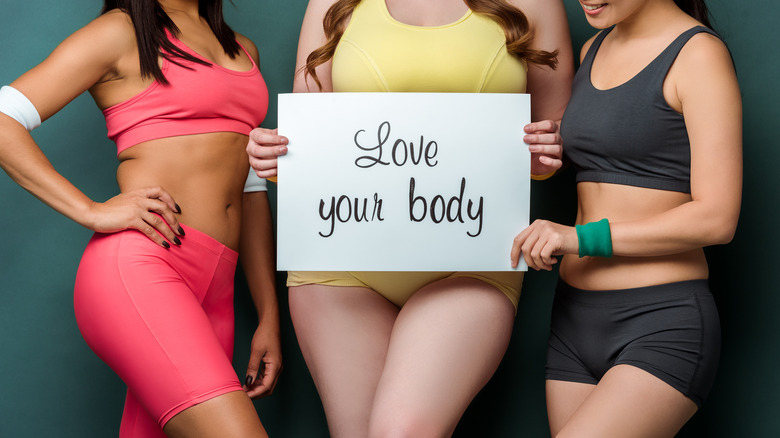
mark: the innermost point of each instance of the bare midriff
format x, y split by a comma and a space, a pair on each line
621, 203
204, 173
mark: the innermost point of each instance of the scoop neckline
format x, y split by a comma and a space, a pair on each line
641, 72
390, 17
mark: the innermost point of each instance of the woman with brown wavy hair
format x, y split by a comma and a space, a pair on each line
404, 353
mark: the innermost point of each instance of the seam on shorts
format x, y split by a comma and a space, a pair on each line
574, 378
194, 401
146, 324
577, 359
341, 282
699, 311
663, 376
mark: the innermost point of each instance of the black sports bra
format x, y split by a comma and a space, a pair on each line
629, 134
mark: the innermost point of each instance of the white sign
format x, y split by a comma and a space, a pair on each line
402, 181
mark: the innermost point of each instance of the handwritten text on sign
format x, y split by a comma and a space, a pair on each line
402, 181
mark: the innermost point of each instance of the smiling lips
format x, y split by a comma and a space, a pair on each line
593, 9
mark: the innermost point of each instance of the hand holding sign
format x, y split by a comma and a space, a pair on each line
263, 148
402, 181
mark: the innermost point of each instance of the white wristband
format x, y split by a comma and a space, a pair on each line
254, 183
17, 106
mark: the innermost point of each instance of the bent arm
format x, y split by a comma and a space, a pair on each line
707, 92
83, 61
26, 164
73, 67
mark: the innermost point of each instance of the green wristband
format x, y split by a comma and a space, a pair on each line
595, 239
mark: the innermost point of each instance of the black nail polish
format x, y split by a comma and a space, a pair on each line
178, 209
248, 381
176, 240
181, 230
166, 245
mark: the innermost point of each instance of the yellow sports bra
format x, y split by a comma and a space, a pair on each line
379, 53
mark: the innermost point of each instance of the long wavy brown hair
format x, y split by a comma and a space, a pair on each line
518, 31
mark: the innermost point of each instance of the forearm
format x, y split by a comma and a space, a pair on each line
258, 257
690, 226
25, 164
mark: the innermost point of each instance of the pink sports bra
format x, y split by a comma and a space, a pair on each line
198, 99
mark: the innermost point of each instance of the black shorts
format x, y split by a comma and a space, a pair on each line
672, 331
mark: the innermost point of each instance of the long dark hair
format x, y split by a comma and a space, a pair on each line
696, 9
512, 20
150, 22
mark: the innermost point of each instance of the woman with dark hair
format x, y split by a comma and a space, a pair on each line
404, 353
654, 132
154, 292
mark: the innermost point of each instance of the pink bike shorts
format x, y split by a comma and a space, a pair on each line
162, 319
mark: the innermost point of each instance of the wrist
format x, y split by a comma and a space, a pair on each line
268, 314
595, 239
86, 215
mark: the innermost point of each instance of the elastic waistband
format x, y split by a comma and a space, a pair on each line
195, 237
654, 293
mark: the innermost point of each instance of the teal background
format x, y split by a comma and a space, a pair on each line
51, 384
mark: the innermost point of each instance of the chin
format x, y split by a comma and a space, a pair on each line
598, 22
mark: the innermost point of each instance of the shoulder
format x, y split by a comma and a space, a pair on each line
312, 26
100, 44
704, 70
321, 4
250, 47
112, 28
319, 7
704, 48
704, 57
89, 56
107, 37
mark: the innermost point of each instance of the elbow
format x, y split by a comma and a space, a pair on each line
717, 222
724, 237
722, 232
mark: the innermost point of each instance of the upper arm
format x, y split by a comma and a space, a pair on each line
312, 37
550, 89
705, 82
87, 57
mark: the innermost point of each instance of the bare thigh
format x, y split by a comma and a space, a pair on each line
446, 344
563, 400
231, 415
343, 334
627, 403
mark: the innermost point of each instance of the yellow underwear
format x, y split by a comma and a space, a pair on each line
398, 287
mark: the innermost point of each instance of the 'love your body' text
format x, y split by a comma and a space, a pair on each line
436, 208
